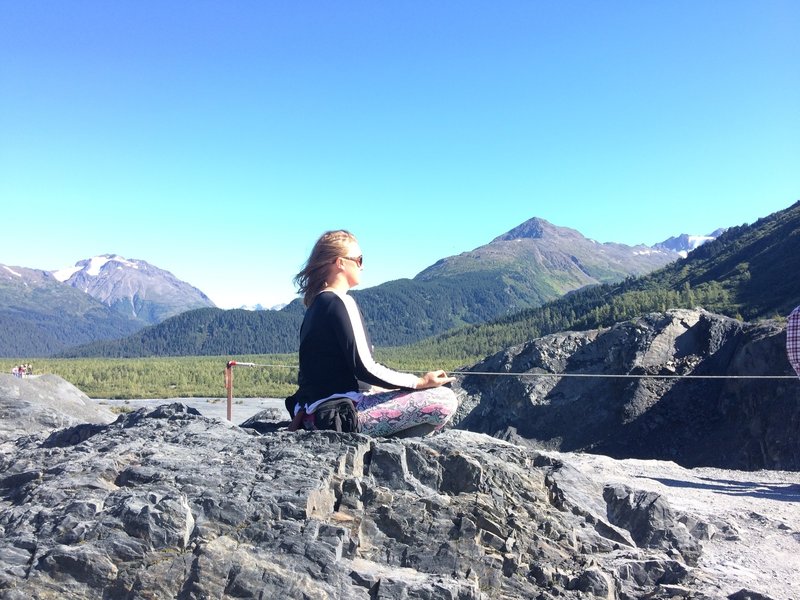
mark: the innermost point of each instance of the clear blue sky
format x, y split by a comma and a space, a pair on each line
217, 140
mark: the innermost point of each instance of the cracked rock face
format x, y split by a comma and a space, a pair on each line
745, 424
169, 504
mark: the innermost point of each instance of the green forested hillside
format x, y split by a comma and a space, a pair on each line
206, 332
405, 311
748, 273
755, 267
40, 316
35, 333
534, 263
397, 313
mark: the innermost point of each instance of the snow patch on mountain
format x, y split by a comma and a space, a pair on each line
259, 306
684, 243
63, 274
695, 241
96, 263
12, 271
94, 266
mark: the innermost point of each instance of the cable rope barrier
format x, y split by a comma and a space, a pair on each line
623, 375
235, 363
528, 374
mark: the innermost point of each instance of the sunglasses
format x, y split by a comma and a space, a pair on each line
359, 260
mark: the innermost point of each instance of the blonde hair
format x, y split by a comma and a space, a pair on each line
312, 279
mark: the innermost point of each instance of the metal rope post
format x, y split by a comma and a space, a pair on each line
229, 386
229, 381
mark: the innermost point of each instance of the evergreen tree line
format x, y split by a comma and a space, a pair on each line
25, 333
397, 313
590, 308
169, 377
747, 273
204, 332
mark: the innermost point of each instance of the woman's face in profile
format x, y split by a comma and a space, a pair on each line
352, 269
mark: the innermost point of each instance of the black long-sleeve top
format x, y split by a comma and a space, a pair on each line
336, 354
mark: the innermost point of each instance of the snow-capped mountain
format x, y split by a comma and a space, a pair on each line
133, 287
685, 243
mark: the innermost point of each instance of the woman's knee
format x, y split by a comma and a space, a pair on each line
445, 400
448, 398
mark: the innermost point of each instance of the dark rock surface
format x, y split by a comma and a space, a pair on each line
731, 423
166, 503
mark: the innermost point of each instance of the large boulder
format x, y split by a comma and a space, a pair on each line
43, 403
730, 422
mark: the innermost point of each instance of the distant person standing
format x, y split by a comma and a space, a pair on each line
793, 339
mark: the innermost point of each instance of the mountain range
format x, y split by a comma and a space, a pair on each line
104, 297
746, 273
529, 265
525, 267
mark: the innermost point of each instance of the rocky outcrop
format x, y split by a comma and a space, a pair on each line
732, 423
166, 503
43, 403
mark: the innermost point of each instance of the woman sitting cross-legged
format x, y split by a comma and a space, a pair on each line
336, 355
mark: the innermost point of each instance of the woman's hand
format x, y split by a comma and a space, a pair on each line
433, 379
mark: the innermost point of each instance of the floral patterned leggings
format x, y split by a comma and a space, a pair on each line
389, 413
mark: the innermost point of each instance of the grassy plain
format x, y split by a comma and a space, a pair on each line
188, 376
168, 377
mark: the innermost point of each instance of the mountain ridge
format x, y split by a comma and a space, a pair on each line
529, 265
745, 273
493, 280
133, 287
540, 247
685, 243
